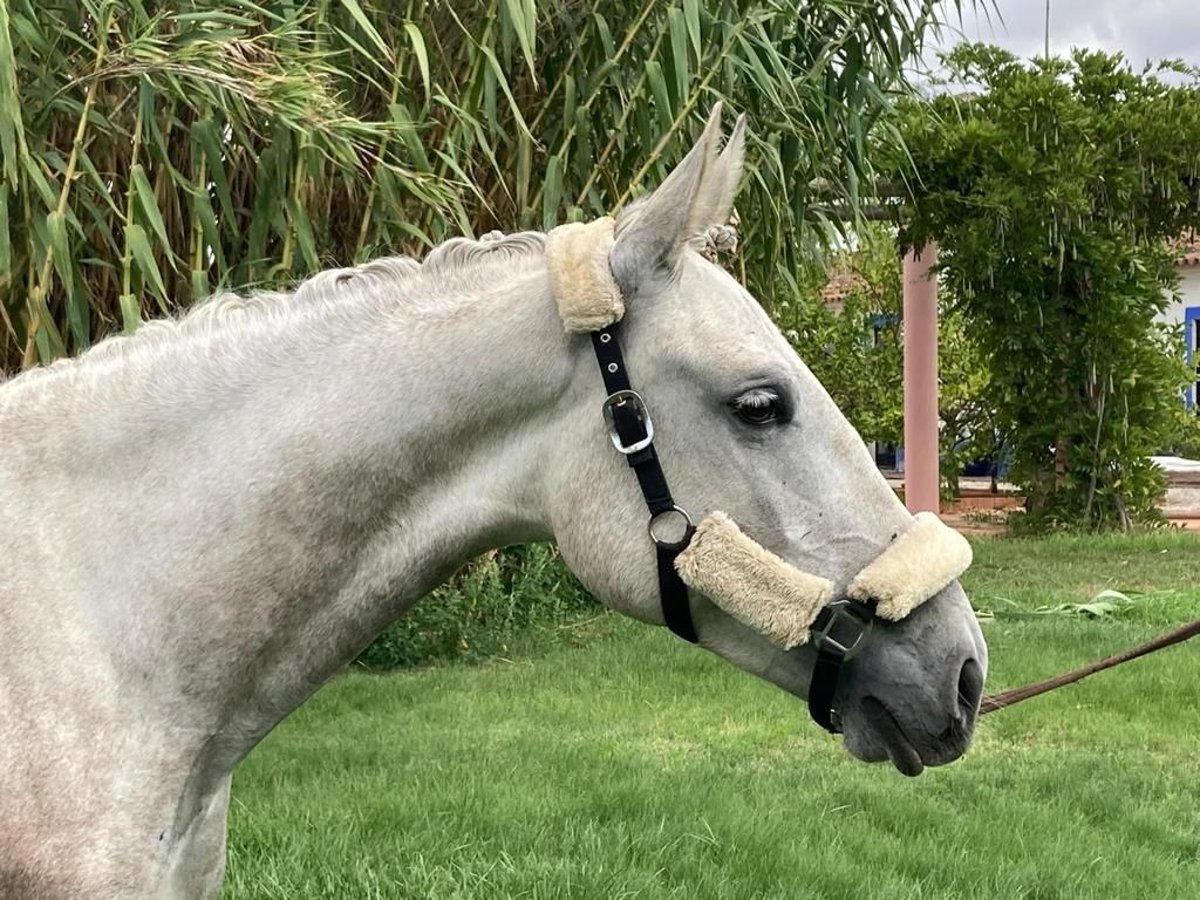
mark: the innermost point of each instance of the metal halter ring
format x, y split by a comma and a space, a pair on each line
688, 527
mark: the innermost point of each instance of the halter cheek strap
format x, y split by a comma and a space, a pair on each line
632, 433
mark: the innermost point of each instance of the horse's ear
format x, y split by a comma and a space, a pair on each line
698, 194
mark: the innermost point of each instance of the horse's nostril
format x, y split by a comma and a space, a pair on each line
970, 688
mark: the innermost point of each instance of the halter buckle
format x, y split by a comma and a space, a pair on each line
842, 626
628, 401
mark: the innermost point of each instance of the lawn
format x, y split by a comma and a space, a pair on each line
620, 762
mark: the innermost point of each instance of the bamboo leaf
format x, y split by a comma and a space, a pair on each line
360, 18
6, 259
494, 63
11, 124
524, 22
200, 287
202, 209
33, 171
304, 236
210, 16
139, 244
60, 248
149, 207
415, 231
691, 15
204, 132
131, 313
408, 135
553, 193
662, 99
417, 40
49, 340
679, 52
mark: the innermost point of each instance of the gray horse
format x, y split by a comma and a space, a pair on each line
201, 523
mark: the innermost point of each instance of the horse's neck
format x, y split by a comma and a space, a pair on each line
269, 517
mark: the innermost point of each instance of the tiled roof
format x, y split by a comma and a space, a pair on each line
840, 284
1187, 246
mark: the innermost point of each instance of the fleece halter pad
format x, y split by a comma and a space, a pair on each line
773, 597
587, 294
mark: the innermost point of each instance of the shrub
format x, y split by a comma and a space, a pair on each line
480, 611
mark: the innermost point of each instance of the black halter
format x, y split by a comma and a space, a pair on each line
838, 630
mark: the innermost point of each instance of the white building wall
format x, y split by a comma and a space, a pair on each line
1184, 310
1189, 296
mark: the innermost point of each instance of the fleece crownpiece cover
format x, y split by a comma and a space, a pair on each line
773, 597
588, 296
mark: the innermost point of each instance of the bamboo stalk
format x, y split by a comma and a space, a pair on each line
37, 296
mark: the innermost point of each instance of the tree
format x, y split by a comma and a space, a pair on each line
855, 346
844, 321
1052, 189
150, 152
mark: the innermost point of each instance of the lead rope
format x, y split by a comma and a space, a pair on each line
993, 702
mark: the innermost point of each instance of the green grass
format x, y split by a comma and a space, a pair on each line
632, 765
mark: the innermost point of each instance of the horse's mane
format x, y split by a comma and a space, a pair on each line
454, 262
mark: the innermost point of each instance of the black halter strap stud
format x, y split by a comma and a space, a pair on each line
632, 433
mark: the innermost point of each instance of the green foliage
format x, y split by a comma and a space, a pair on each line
855, 347
1183, 433
1052, 194
152, 152
638, 767
854, 344
479, 612
970, 425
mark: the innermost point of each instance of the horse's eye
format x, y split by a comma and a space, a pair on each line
758, 407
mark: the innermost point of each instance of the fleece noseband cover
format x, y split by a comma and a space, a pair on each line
765, 593
916, 566
751, 583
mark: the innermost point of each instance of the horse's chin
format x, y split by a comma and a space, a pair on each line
875, 736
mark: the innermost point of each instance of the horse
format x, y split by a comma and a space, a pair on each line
204, 521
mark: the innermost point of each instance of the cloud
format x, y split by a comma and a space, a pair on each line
1141, 29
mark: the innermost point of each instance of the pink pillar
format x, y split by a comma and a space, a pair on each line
921, 480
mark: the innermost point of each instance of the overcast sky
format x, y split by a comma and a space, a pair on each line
1141, 29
